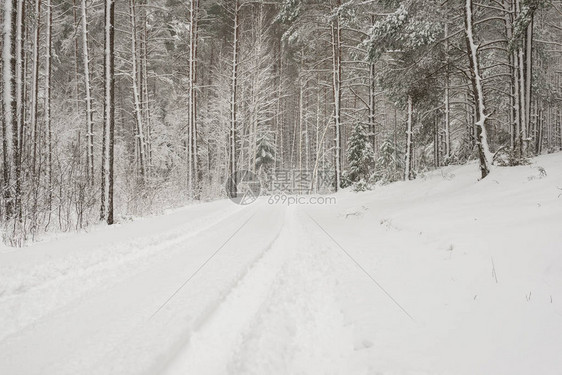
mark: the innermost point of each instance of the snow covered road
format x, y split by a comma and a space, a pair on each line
282, 317
268, 289
252, 291
91, 329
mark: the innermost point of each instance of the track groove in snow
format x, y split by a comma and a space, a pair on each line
281, 318
300, 328
117, 314
217, 334
28, 295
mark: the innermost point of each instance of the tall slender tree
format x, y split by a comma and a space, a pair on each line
48, 91
135, 74
88, 96
477, 91
10, 122
108, 146
233, 136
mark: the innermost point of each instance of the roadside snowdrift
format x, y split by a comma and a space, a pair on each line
478, 264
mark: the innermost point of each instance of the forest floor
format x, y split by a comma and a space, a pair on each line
442, 275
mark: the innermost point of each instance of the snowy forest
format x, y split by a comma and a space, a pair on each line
116, 109
281, 187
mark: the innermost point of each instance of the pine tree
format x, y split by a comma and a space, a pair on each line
360, 154
389, 165
265, 150
405, 39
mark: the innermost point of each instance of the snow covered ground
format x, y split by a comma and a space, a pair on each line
442, 275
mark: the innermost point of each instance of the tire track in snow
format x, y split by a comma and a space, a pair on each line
158, 341
300, 329
53, 285
281, 318
218, 333
118, 337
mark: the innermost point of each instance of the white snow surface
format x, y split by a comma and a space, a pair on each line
217, 288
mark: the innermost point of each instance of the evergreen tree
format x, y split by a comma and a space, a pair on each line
389, 164
360, 154
265, 150
404, 40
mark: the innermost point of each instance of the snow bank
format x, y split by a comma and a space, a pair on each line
478, 264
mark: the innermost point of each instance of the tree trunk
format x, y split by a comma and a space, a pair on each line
191, 94
372, 99
522, 104
18, 131
136, 93
109, 115
35, 89
88, 93
10, 103
145, 92
336, 86
447, 101
528, 73
478, 92
233, 99
408, 169
48, 130
513, 110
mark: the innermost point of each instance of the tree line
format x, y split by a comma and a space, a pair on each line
112, 109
